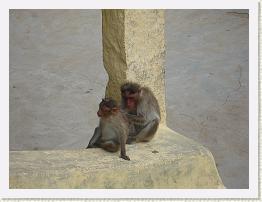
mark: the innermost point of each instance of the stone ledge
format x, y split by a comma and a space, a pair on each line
170, 160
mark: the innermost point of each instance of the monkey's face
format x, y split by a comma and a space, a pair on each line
107, 108
103, 111
131, 100
130, 93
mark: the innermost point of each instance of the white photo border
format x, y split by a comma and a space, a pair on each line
251, 193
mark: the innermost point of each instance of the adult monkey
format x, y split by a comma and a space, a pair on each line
142, 110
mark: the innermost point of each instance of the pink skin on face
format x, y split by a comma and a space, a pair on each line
130, 104
131, 101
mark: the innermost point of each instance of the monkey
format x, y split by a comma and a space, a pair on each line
142, 110
113, 128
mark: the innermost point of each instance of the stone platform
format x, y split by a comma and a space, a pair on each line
170, 160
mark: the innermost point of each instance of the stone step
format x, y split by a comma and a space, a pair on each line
170, 160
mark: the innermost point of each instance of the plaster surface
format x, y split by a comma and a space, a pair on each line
57, 79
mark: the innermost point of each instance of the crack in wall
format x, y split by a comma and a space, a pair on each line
239, 14
234, 90
239, 78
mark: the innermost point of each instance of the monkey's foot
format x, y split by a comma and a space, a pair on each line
91, 146
125, 157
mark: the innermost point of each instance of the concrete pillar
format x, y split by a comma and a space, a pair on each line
134, 50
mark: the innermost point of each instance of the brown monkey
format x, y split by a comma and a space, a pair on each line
112, 131
142, 110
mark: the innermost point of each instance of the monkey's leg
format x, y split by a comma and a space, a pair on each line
110, 146
148, 132
123, 147
94, 142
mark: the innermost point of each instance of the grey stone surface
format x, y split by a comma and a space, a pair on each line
207, 85
57, 79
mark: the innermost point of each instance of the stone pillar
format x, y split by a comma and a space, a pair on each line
134, 50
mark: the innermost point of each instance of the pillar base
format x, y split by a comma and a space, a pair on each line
168, 161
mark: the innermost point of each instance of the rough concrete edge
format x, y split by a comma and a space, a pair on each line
203, 151
207, 151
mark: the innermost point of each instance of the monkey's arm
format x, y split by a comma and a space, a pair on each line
148, 132
94, 142
136, 119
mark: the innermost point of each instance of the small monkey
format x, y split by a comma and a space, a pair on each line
142, 110
113, 128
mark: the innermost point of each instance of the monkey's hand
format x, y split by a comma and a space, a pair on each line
136, 119
125, 157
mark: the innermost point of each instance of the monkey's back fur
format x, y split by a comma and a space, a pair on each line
148, 105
